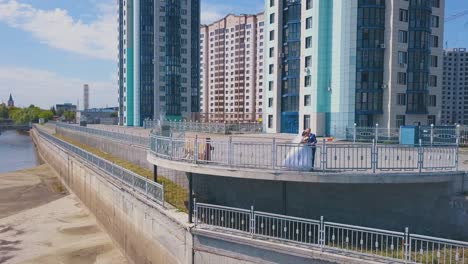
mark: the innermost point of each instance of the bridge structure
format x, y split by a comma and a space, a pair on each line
8, 126
362, 203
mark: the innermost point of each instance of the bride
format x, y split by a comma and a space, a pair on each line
300, 155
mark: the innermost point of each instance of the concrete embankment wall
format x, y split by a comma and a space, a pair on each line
144, 232
133, 153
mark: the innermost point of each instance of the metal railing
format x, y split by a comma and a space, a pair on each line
298, 157
128, 138
207, 127
152, 190
429, 135
380, 244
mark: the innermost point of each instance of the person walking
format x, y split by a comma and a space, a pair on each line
312, 142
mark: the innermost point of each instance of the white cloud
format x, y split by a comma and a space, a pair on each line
46, 88
56, 28
212, 11
210, 14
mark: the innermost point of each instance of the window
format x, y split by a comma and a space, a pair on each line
402, 57
436, 3
270, 121
431, 120
270, 102
435, 21
401, 78
272, 3
308, 61
272, 18
270, 68
403, 36
309, 4
432, 101
270, 86
434, 61
307, 100
403, 15
308, 42
400, 120
272, 35
309, 23
433, 81
401, 99
307, 81
272, 52
434, 41
306, 121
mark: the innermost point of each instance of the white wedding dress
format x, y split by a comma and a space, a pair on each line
299, 157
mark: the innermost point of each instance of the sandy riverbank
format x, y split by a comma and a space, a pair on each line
40, 222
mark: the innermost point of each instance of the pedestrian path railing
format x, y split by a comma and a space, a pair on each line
379, 244
127, 138
429, 135
325, 156
207, 127
152, 190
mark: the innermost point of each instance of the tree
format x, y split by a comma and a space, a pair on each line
46, 115
114, 114
52, 108
3, 111
69, 115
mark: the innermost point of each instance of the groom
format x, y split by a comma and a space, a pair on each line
311, 141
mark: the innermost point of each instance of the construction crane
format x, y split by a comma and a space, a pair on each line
455, 16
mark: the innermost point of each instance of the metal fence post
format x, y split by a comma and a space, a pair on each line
355, 133
252, 221
162, 195
273, 153
323, 155
321, 234
376, 136
420, 156
230, 156
407, 247
432, 134
195, 149
374, 156
171, 141
195, 210
456, 155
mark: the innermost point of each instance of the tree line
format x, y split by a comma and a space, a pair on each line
32, 114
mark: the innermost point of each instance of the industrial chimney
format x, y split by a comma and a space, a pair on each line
85, 97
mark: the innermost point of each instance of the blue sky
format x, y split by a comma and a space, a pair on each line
50, 48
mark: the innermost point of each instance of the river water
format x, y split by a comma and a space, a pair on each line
17, 152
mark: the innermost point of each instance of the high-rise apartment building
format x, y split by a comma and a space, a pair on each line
231, 60
455, 87
331, 63
158, 59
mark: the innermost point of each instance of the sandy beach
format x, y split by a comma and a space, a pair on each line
41, 223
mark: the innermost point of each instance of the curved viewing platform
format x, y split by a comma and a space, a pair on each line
333, 162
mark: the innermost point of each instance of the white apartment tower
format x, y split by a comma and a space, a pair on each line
455, 87
231, 72
330, 64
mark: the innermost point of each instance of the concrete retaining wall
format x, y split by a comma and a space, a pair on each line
144, 232
436, 209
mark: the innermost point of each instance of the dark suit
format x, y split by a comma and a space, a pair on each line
312, 142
